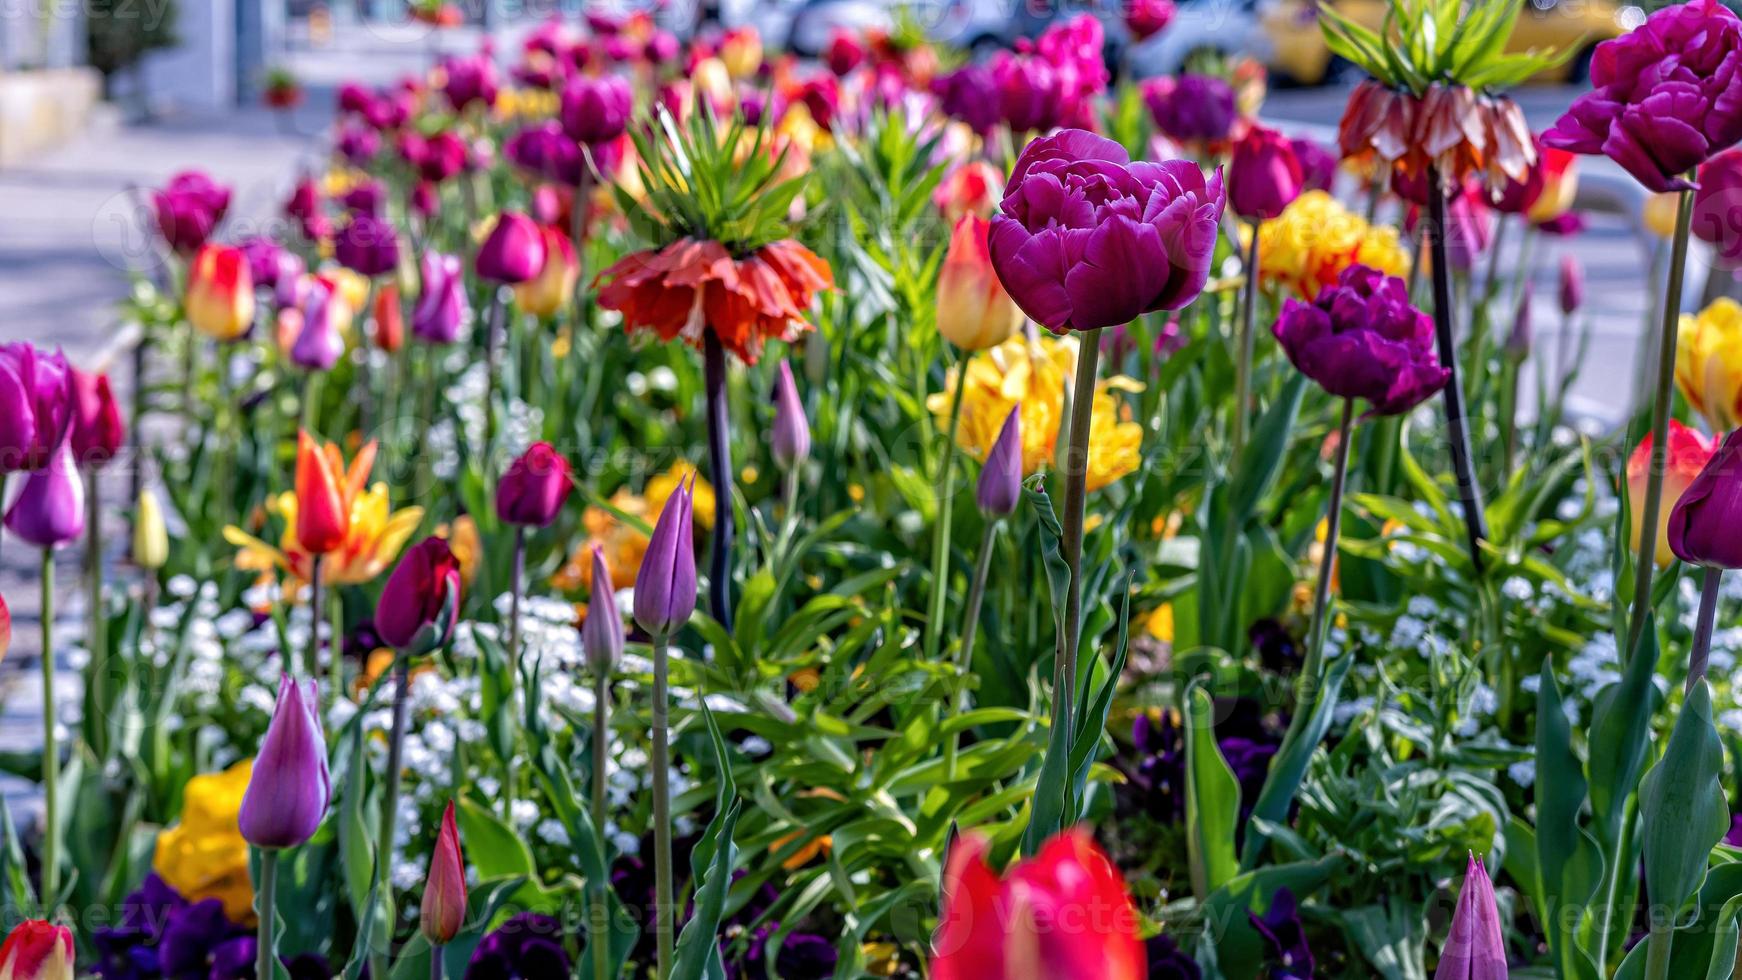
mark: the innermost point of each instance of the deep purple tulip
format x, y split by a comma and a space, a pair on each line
1362, 339
425, 202
290, 787
320, 343
596, 108
790, 439
50, 510
531, 493
662, 47
1085, 238
971, 95
1191, 108
1475, 949
420, 604
1702, 525
602, 633
358, 144
36, 406
367, 245
366, 197
513, 252
1572, 286
441, 308
1519, 340
436, 158
545, 151
1000, 486
1264, 175
304, 207
1664, 97
665, 587
355, 97
269, 262
188, 208
1717, 217
1318, 166
470, 81
97, 431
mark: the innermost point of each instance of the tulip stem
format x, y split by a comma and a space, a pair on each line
665, 910
311, 402
516, 585
1703, 629
598, 939
435, 962
940, 549
311, 660
1643, 564
50, 750
1657, 954
720, 465
390, 778
1243, 361
492, 356
1076, 479
1469, 492
136, 473
99, 619
265, 904
970, 627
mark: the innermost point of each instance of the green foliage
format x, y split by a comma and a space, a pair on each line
1424, 42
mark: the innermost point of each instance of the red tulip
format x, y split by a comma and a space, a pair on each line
1062, 913
97, 429
37, 950
532, 492
5, 628
322, 518
421, 601
1689, 452
444, 889
389, 319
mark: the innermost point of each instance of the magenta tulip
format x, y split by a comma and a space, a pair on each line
1475, 949
188, 209
596, 109
513, 252
97, 431
290, 786
1264, 176
1362, 339
420, 604
790, 438
441, 307
665, 587
36, 406
532, 492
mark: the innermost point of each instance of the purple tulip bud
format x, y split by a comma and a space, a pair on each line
1475, 949
50, 510
1264, 176
514, 251
1702, 525
596, 108
290, 787
790, 441
1362, 339
1572, 285
420, 604
1518, 341
1000, 485
665, 587
470, 80
532, 492
969, 94
358, 144
188, 209
36, 406
546, 151
602, 633
320, 344
367, 245
1318, 166
366, 197
441, 308
268, 261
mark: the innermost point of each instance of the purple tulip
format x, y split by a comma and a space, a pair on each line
665, 587
532, 491
358, 144
470, 80
1028, 92
1191, 108
790, 440
1362, 339
441, 308
513, 252
546, 151
1469, 228
355, 97
50, 510
602, 633
596, 109
36, 406
420, 604
1702, 525
1572, 291
188, 208
1518, 341
290, 787
436, 158
366, 197
1085, 238
367, 245
1475, 949
662, 47
320, 343
1264, 176
424, 200
1717, 217
1665, 96
1000, 486
1318, 166
971, 95
268, 261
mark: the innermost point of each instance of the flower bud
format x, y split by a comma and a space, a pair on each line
441, 308
973, 310
665, 587
389, 319
1264, 176
1000, 486
220, 293
602, 633
37, 950
1518, 341
545, 294
1689, 453
443, 913
420, 604
98, 433
532, 492
50, 510
596, 109
1475, 948
322, 520
290, 786
1702, 524
513, 252
790, 440
188, 208
321, 340
36, 406
1572, 284
150, 537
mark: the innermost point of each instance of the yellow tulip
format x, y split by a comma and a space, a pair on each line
741, 52
1659, 214
220, 293
1308, 246
150, 538
1708, 363
973, 310
554, 286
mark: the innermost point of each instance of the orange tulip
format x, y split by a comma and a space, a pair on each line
1689, 451
389, 319
974, 312
323, 504
220, 293
546, 293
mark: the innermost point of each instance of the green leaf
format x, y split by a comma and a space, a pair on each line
1262, 459
1681, 806
1212, 799
712, 862
1620, 735
1569, 862
493, 849
1289, 766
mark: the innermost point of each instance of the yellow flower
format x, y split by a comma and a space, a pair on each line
150, 537
1309, 245
1160, 623
376, 536
1035, 374
463, 541
1659, 214
1708, 363
204, 856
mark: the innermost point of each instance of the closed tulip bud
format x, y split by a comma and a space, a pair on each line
1264, 175
304, 207
1000, 485
1475, 949
290, 786
974, 312
1518, 341
602, 633
367, 245
37, 950
790, 439
513, 252
389, 319
441, 308
596, 109
532, 492
188, 208
50, 510
1572, 285
97, 430
1702, 525
5, 628
443, 913
150, 536
972, 188
220, 293
1689, 453
322, 521
665, 587
548, 292
741, 51
420, 604
321, 340
36, 406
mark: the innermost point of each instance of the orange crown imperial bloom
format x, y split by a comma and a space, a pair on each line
220, 293
692, 285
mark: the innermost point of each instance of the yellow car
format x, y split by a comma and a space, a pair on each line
1299, 51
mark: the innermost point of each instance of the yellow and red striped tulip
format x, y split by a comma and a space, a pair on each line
973, 310
1689, 451
220, 293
